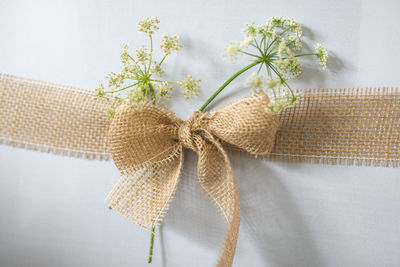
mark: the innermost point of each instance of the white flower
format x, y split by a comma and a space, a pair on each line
247, 41
272, 83
321, 54
279, 103
164, 90
251, 30
232, 50
156, 69
294, 42
282, 48
142, 55
99, 90
130, 68
255, 81
115, 79
124, 54
149, 26
170, 44
136, 97
192, 86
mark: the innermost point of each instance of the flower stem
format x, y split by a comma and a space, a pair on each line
151, 244
110, 92
256, 62
162, 60
281, 78
152, 93
306, 54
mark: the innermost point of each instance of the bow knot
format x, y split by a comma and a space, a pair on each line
188, 131
147, 147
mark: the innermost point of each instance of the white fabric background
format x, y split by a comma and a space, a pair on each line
52, 211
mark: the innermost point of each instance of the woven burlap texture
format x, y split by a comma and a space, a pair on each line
334, 126
147, 147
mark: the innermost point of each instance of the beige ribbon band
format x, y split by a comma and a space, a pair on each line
335, 126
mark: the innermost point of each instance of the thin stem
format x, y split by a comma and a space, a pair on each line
154, 80
162, 60
263, 42
151, 52
247, 53
131, 58
282, 80
271, 44
152, 93
119, 90
258, 47
256, 62
151, 244
259, 69
307, 54
268, 70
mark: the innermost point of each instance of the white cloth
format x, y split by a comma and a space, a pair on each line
292, 214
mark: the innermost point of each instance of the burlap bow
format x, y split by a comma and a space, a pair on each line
147, 147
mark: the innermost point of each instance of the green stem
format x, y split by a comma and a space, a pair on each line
249, 54
256, 62
152, 93
151, 244
151, 53
280, 77
162, 60
154, 80
307, 54
110, 92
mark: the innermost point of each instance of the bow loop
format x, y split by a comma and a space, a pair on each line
245, 125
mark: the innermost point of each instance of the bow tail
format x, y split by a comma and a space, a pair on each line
143, 196
216, 179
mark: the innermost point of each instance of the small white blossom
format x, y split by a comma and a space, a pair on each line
116, 79
99, 90
124, 54
110, 112
149, 26
279, 103
142, 55
130, 68
247, 41
164, 90
232, 50
156, 69
170, 44
191, 85
294, 42
321, 54
251, 30
272, 83
255, 81
136, 97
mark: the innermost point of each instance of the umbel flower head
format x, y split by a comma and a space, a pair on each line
274, 47
140, 79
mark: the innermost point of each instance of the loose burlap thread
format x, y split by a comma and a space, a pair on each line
334, 126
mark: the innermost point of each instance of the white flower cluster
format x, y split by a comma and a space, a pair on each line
322, 54
192, 86
141, 73
273, 45
149, 25
170, 44
280, 102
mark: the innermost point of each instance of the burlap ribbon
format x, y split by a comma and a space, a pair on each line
334, 126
